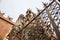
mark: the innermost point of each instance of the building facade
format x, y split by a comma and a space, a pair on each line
5, 26
37, 30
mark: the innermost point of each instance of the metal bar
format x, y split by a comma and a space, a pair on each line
7, 21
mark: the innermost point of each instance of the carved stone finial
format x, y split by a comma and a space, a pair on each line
38, 10
28, 11
21, 16
9, 18
44, 4
1, 14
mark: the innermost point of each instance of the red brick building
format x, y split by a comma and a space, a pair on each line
5, 26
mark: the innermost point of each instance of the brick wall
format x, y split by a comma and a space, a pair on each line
5, 27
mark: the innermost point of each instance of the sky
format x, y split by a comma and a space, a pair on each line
14, 8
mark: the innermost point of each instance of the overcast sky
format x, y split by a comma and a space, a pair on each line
14, 8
